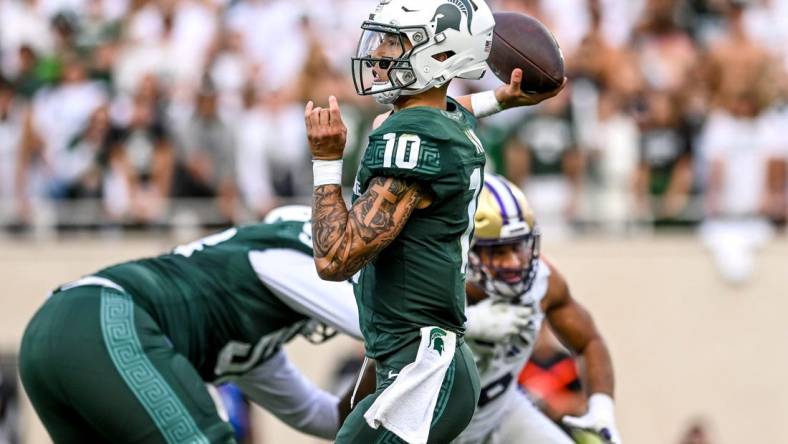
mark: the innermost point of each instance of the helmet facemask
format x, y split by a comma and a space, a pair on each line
501, 282
382, 66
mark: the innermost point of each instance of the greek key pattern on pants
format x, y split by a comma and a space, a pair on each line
142, 378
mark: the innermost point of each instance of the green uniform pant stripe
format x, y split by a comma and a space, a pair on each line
443, 395
149, 387
390, 438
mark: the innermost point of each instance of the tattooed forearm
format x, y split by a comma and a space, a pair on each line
329, 217
344, 241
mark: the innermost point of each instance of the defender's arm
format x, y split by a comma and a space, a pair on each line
575, 327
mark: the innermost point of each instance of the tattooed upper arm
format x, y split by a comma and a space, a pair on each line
344, 241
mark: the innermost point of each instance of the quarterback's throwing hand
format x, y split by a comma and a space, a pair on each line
599, 419
511, 96
325, 130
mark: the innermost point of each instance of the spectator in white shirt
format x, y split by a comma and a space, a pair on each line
734, 155
58, 114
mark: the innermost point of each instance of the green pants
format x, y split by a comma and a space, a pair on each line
98, 369
453, 411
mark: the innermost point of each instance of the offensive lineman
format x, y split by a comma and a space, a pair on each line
515, 289
122, 355
405, 240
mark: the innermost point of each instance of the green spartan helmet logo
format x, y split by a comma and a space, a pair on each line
436, 340
449, 15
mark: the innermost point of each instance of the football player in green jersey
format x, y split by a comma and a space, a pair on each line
123, 355
405, 240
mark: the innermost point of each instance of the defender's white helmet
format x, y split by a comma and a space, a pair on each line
504, 219
397, 50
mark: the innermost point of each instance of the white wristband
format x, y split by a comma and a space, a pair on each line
327, 172
602, 405
485, 104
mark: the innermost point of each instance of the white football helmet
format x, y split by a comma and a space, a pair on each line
399, 47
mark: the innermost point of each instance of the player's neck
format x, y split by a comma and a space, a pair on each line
433, 98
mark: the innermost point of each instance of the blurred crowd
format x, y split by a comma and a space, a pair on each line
673, 114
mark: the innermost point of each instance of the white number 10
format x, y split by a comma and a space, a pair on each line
402, 149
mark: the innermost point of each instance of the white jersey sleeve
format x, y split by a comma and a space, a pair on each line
277, 386
291, 275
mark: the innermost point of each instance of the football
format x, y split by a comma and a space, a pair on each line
521, 41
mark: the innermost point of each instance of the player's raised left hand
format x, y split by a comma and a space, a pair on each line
511, 96
599, 419
325, 130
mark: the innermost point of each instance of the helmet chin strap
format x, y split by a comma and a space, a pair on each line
387, 97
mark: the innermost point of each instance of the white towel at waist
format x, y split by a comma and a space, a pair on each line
406, 406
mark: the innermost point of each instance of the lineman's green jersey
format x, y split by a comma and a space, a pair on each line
143, 337
419, 279
228, 307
